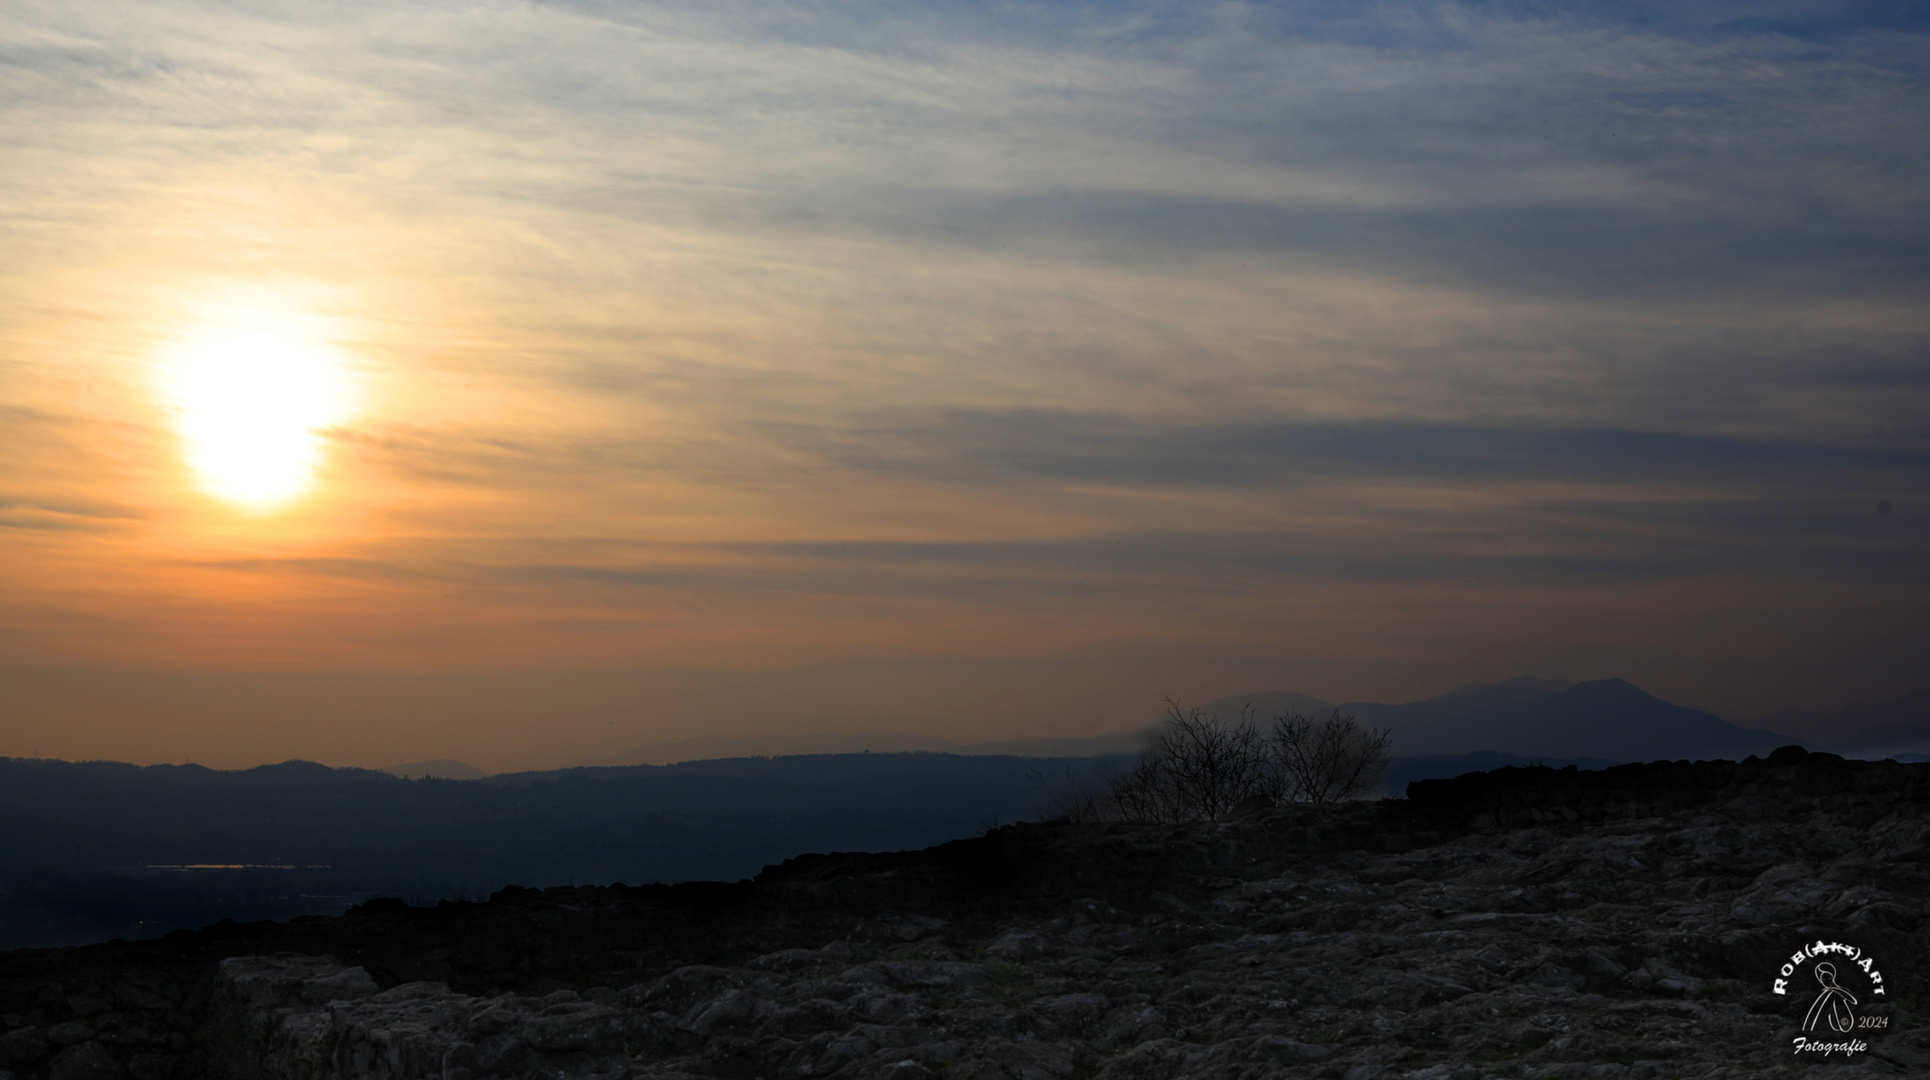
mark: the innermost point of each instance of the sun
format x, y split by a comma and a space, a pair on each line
247, 405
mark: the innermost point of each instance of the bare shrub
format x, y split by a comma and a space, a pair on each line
1330, 761
1198, 767
1195, 767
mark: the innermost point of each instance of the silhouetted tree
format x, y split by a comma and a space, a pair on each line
1330, 761
1195, 767
1198, 767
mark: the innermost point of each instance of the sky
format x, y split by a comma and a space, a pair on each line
518, 382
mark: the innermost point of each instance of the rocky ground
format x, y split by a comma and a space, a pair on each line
1527, 923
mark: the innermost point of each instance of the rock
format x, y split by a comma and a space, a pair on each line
1075, 1013
148, 1066
147, 991
902, 926
577, 1028
733, 1010
1134, 1024
87, 1061
23, 1046
1016, 945
1291, 1051
1161, 1059
349, 984
918, 973
69, 1034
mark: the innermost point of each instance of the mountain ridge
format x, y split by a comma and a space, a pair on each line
1524, 716
1608, 719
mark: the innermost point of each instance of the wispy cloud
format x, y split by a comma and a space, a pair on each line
760, 331
1135, 451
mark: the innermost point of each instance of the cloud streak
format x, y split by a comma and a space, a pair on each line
750, 334
1131, 451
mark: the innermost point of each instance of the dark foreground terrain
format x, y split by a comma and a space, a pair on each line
1520, 923
92, 851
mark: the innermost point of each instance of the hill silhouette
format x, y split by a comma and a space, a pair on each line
1530, 718
94, 850
1604, 719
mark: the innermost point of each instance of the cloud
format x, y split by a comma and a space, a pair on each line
1136, 451
56, 515
884, 317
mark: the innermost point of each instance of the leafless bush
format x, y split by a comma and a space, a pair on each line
1330, 761
1197, 767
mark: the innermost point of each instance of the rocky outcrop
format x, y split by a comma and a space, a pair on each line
1527, 923
312, 1018
1822, 783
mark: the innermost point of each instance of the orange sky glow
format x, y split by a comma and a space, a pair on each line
517, 383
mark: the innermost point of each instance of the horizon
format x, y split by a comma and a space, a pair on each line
518, 383
1783, 724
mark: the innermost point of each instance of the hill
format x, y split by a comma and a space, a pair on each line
1525, 717
1605, 719
95, 850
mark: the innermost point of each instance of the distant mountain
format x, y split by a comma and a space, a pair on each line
1527, 717
439, 769
97, 850
1604, 720
1466, 705
1862, 729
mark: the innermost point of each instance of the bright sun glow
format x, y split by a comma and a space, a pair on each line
247, 405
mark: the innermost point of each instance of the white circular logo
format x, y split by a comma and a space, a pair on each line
1841, 984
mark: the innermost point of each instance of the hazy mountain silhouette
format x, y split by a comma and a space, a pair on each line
1528, 717
1605, 720
1862, 729
95, 850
